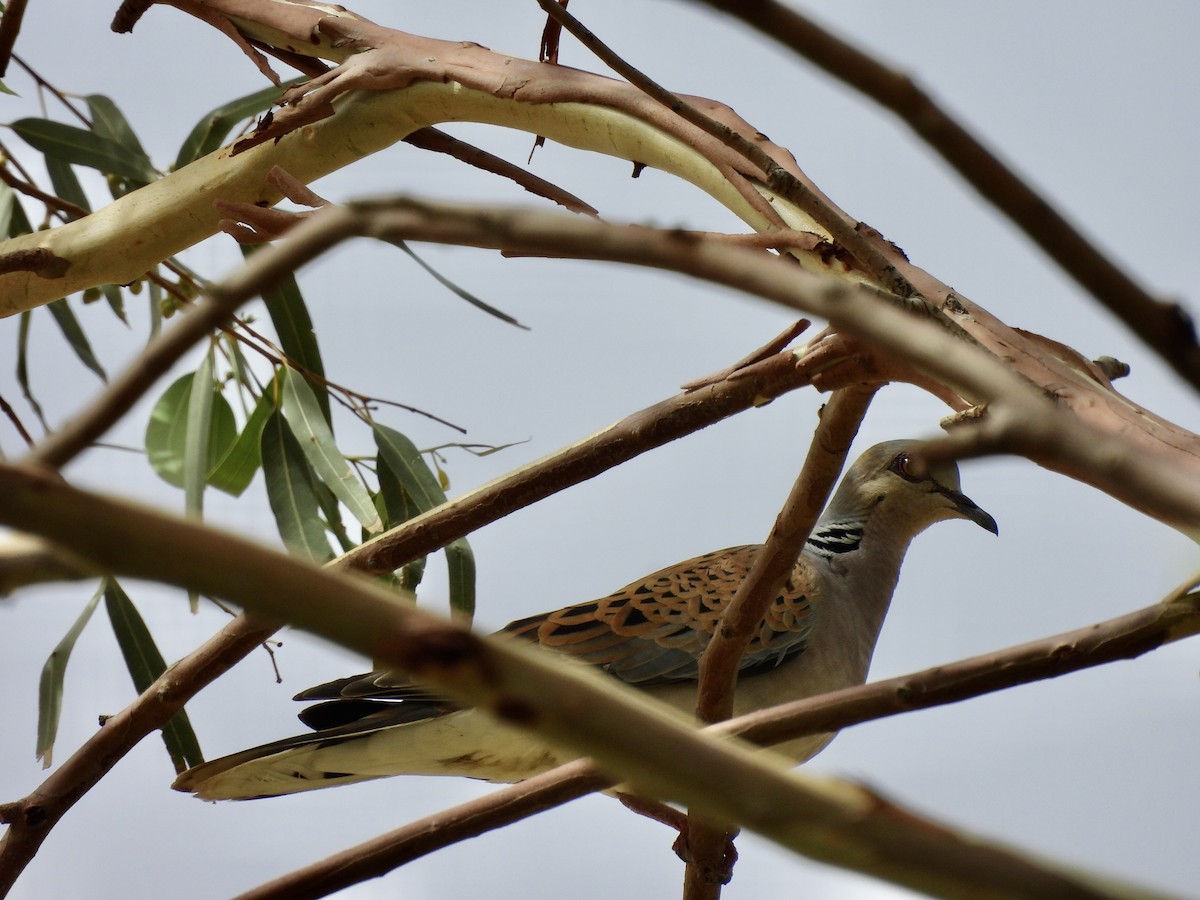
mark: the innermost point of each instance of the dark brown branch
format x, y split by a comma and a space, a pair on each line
651, 427
381, 855
706, 843
440, 142
1166, 327
128, 13
10, 27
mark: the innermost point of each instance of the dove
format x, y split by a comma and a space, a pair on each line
817, 635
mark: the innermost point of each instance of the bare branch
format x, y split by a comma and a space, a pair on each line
381, 855
625, 733
1176, 617
706, 842
581, 460
1086, 431
1165, 327
10, 27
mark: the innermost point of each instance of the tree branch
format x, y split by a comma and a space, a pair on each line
1126, 637
1087, 431
705, 842
637, 740
32, 818
1165, 327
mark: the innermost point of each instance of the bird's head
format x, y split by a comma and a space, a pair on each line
882, 487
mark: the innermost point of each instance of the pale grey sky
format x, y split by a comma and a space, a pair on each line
1095, 105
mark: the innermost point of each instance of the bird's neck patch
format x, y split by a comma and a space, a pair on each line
831, 538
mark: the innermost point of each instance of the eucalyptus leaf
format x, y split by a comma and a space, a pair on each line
454, 288
166, 432
50, 686
197, 437
234, 471
115, 299
73, 332
308, 424
85, 148
400, 455
66, 185
212, 130
145, 664
109, 122
23, 367
291, 492
294, 328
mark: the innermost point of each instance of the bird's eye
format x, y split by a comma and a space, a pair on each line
900, 466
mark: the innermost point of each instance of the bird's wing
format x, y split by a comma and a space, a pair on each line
650, 632
655, 630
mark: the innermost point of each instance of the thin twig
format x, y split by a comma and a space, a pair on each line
56, 203
706, 842
438, 141
259, 273
1087, 433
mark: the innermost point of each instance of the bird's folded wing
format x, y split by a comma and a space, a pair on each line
650, 632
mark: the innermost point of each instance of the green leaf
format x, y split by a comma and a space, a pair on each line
8, 199
109, 122
401, 456
404, 459
5, 89
66, 185
23, 367
84, 148
145, 664
455, 289
50, 687
398, 507
291, 492
166, 432
73, 332
234, 471
460, 563
212, 130
18, 222
115, 299
294, 328
155, 297
198, 438
305, 418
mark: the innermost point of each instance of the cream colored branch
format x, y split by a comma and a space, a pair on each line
125, 239
629, 736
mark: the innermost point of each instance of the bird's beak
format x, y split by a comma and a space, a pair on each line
967, 508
